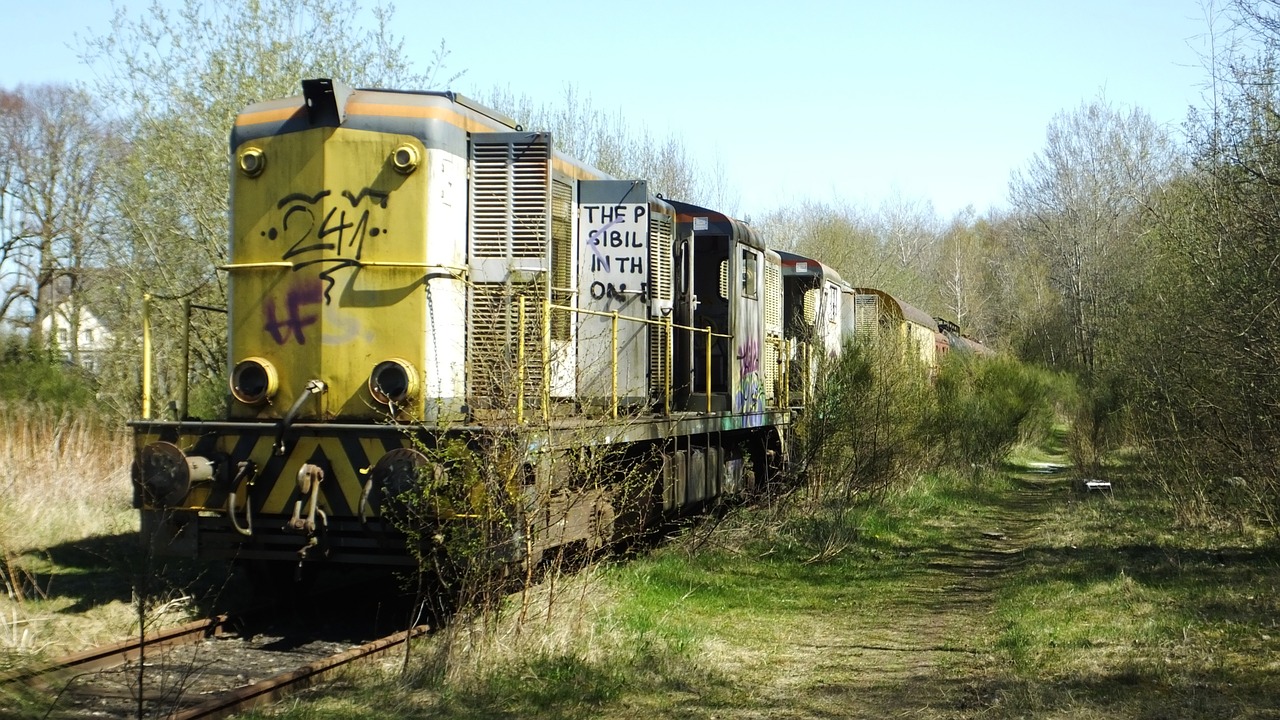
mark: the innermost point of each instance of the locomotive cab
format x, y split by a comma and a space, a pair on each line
725, 357
814, 315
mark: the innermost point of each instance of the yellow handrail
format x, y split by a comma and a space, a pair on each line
666, 323
643, 321
146, 356
667, 379
520, 369
613, 347
546, 362
454, 270
709, 368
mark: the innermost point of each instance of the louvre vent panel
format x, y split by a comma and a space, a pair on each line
772, 319
510, 184
866, 315
770, 369
659, 367
561, 258
772, 296
660, 231
491, 346
660, 290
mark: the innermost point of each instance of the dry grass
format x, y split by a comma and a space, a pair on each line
64, 479
556, 617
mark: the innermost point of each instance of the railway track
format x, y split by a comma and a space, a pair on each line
203, 670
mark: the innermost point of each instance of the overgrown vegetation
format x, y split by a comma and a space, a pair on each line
862, 431
986, 406
36, 376
1117, 609
73, 571
1141, 275
63, 482
1011, 597
880, 420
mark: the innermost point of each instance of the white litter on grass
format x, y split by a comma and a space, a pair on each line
1097, 485
1045, 467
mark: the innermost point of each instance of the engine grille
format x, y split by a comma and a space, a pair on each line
660, 295
492, 344
772, 301
509, 188
509, 254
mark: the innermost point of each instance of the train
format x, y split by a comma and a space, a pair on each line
436, 320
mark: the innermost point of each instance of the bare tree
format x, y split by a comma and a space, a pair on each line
613, 145
13, 285
908, 228
1078, 205
963, 272
55, 148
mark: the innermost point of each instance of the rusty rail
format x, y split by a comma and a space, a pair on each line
115, 654
274, 688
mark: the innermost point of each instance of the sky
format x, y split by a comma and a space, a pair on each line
837, 101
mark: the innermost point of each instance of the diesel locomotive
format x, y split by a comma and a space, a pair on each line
422, 294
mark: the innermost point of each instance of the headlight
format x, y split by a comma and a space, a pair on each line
393, 381
405, 159
251, 162
253, 381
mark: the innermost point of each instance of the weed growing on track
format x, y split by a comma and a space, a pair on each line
1007, 598
729, 617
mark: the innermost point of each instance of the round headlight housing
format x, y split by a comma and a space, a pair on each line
254, 381
393, 381
251, 161
405, 159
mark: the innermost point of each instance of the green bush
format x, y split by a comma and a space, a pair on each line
987, 405
36, 375
861, 431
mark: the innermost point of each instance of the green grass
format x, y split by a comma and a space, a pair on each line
1116, 609
1004, 597
693, 629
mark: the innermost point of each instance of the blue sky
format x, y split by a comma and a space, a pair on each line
853, 102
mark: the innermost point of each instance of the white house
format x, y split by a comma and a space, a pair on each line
92, 339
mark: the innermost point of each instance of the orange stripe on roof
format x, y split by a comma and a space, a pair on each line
470, 124
425, 112
263, 116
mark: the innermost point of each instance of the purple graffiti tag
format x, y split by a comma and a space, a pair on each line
749, 355
294, 322
750, 398
594, 237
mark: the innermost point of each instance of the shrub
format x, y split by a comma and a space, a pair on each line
39, 375
861, 430
987, 405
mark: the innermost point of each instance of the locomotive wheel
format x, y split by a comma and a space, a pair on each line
398, 477
161, 471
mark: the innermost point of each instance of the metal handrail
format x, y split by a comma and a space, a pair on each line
614, 317
454, 270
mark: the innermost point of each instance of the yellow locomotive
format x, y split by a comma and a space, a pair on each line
422, 293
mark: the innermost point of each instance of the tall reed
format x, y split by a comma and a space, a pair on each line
64, 475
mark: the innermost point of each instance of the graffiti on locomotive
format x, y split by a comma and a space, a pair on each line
617, 240
327, 240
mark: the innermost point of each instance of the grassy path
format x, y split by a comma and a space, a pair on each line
1015, 598
930, 653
